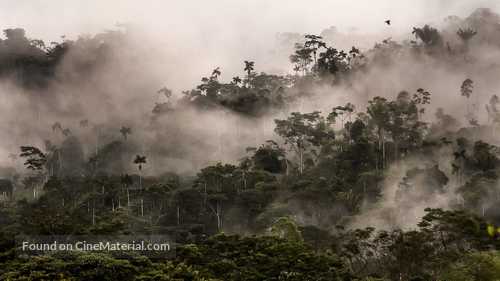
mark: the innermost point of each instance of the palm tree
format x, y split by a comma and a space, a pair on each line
216, 73
236, 80
125, 131
249, 67
139, 161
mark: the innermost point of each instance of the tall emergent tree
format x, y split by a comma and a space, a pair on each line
139, 161
303, 131
125, 131
249, 67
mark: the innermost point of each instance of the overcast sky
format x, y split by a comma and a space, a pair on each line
223, 33
49, 19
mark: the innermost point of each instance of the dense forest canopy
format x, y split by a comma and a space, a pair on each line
377, 163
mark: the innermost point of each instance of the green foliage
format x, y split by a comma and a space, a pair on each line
474, 266
466, 88
303, 133
270, 157
257, 258
287, 229
323, 171
36, 159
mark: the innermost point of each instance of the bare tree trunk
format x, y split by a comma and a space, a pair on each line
380, 145
219, 216
244, 180
97, 143
383, 153
60, 161
128, 197
142, 207
205, 196
396, 150
178, 215
93, 214
301, 160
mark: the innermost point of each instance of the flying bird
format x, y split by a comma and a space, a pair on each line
388, 22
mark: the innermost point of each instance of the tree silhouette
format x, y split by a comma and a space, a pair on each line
379, 111
216, 73
466, 88
84, 123
66, 132
332, 61
421, 97
343, 112
492, 109
302, 131
466, 34
139, 161
57, 127
127, 181
35, 158
236, 80
125, 131
313, 42
429, 35
466, 91
302, 57
249, 67
166, 92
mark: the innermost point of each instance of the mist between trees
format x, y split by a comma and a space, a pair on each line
369, 163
